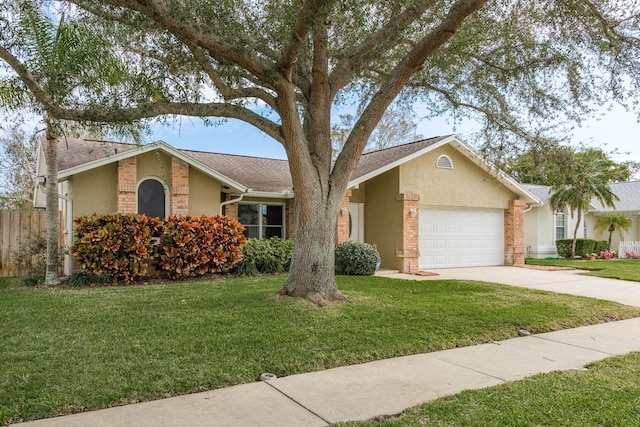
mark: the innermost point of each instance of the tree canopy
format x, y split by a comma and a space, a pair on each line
551, 164
520, 67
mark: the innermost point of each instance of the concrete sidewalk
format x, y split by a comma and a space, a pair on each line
386, 387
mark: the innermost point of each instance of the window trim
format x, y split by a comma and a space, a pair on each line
260, 226
167, 193
555, 225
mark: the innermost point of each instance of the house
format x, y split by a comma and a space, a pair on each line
428, 204
543, 227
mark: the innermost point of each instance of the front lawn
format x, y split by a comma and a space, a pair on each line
625, 269
68, 350
607, 394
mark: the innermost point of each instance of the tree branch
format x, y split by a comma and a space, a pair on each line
158, 12
398, 78
161, 108
376, 43
227, 92
311, 11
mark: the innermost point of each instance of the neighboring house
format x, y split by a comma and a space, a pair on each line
543, 227
429, 204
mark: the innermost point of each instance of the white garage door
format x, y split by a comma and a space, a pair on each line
461, 238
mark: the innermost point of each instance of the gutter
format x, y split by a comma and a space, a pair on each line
228, 202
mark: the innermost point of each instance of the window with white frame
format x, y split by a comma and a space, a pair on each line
561, 225
262, 220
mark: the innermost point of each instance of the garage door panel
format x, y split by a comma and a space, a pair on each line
461, 238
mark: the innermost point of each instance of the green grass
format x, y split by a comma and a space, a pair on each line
67, 350
625, 269
607, 394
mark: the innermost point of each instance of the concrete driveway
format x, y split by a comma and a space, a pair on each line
563, 281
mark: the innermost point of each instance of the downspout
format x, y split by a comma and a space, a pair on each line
228, 202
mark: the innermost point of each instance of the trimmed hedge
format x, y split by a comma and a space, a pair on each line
356, 258
118, 246
193, 246
584, 247
267, 256
123, 246
601, 246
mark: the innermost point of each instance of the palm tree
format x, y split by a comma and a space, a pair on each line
73, 65
587, 178
611, 222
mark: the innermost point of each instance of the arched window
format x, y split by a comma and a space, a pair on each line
152, 200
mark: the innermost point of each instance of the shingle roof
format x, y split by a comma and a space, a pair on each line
629, 194
74, 152
542, 192
257, 173
375, 160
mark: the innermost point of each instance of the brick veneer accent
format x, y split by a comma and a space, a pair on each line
127, 179
514, 233
409, 252
342, 223
179, 187
231, 209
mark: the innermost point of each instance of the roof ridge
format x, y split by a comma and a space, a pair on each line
405, 144
230, 155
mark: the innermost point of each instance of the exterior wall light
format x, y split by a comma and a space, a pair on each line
413, 212
344, 211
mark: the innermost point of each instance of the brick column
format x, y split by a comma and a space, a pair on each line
409, 252
342, 226
179, 187
514, 233
290, 218
231, 210
127, 180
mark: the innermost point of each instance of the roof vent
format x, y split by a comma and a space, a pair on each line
444, 162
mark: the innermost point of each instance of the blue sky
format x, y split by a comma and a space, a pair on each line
614, 129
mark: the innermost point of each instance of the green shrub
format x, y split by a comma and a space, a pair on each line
356, 258
269, 256
31, 257
118, 246
83, 279
584, 247
245, 268
197, 245
601, 246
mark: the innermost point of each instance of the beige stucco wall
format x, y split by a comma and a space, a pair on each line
95, 191
358, 195
204, 194
156, 164
628, 235
383, 217
539, 232
465, 186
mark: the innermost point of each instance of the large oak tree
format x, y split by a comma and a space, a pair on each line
281, 65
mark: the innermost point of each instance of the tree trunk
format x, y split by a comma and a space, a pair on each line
575, 234
51, 275
312, 273
611, 230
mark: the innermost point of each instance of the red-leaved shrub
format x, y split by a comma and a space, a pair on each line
197, 245
118, 246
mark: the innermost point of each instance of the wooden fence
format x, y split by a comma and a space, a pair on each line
16, 226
